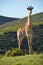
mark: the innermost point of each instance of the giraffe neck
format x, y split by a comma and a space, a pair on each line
29, 18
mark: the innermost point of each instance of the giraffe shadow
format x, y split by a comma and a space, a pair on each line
24, 44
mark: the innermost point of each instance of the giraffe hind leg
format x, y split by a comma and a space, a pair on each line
18, 42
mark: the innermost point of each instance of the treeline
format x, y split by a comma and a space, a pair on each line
8, 40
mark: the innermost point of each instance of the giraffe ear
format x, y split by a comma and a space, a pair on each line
32, 7
27, 8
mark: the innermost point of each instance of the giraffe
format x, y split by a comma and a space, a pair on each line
26, 30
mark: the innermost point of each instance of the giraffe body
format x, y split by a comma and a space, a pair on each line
26, 31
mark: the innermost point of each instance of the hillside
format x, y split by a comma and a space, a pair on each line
36, 19
4, 19
8, 35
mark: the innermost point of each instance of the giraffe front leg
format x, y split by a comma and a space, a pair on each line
30, 46
29, 38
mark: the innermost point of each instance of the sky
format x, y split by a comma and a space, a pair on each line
18, 8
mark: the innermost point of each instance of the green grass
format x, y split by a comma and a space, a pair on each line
37, 23
23, 60
15, 26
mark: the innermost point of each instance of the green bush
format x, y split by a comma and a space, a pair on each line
14, 52
8, 53
17, 52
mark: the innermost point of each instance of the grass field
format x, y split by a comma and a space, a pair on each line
15, 27
23, 60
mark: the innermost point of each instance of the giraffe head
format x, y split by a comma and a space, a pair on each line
30, 9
